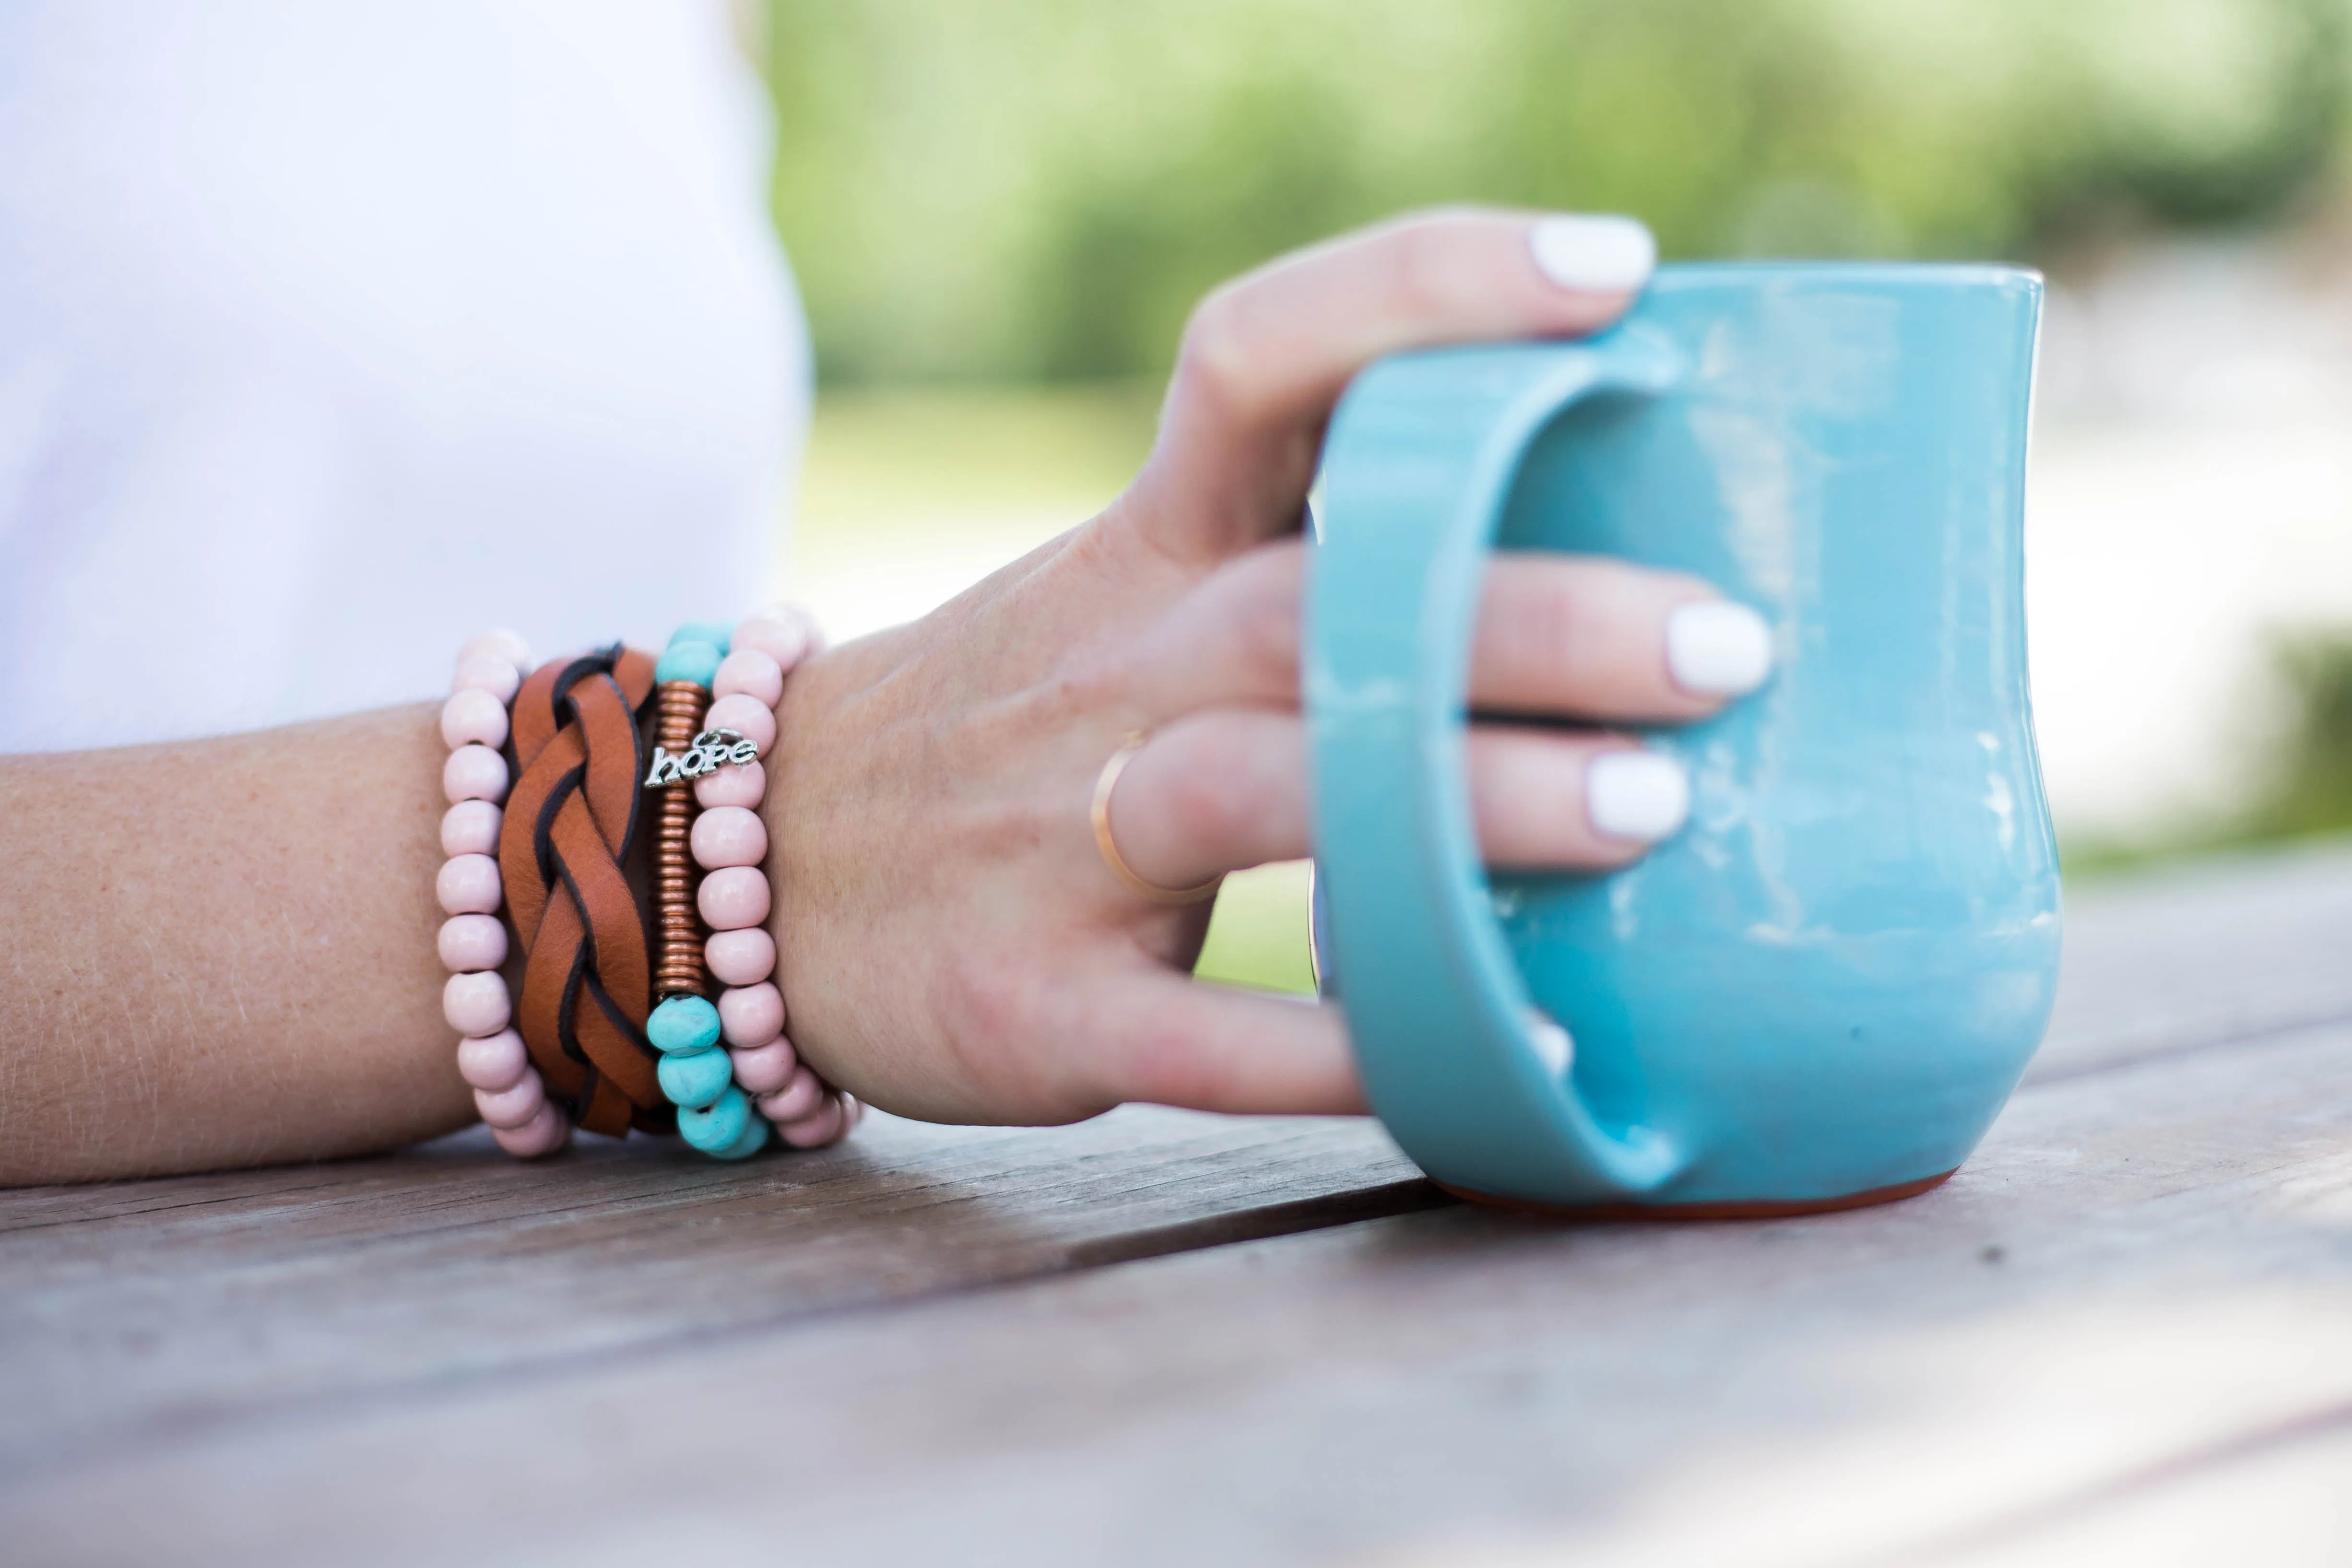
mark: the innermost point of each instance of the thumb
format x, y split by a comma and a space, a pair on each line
1265, 357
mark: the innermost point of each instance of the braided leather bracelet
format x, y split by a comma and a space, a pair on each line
552, 858
587, 971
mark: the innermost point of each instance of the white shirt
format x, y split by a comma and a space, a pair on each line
331, 334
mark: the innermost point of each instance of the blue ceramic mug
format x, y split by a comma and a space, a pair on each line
1823, 988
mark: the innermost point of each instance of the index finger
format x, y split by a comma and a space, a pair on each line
1266, 356
1169, 1040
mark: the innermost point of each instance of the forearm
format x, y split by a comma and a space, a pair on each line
221, 952
224, 953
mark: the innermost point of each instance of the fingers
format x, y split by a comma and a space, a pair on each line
1227, 789
1594, 637
1172, 1041
1233, 640
1557, 802
1266, 356
1221, 790
1559, 635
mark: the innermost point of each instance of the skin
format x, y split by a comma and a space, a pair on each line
221, 953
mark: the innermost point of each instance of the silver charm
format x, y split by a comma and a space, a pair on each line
711, 750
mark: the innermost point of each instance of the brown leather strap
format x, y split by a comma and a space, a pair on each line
570, 819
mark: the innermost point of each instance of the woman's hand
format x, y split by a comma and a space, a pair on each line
952, 947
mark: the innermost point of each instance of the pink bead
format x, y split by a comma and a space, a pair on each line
491, 673
472, 942
471, 827
752, 1014
513, 1106
474, 717
506, 645
795, 1099
728, 835
542, 1134
823, 1125
754, 674
754, 718
474, 773
477, 1004
783, 632
765, 1068
734, 898
493, 1061
853, 1110
468, 885
743, 957
732, 786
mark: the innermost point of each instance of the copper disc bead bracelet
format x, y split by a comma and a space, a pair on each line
580, 1004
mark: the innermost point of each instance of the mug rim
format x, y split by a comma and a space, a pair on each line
1914, 274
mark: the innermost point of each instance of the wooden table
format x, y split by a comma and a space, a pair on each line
2124, 1330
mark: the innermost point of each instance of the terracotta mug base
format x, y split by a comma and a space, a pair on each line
1745, 1209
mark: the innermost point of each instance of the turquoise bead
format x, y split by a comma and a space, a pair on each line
716, 1126
683, 1024
695, 1077
695, 661
709, 631
754, 1139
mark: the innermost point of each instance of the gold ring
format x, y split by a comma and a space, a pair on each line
1106, 781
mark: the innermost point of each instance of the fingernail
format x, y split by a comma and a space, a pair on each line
1635, 795
1554, 1046
1718, 649
1601, 253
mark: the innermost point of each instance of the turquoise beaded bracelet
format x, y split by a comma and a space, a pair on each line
717, 691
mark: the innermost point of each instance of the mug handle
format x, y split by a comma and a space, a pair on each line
1418, 465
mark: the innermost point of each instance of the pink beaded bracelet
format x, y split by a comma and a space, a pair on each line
729, 843
491, 1057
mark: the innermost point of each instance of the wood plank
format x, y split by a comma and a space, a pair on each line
2279, 1498
174, 1305
2175, 957
158, 1312
2144, 1266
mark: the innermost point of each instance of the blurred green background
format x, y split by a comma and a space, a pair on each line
1039, 189
1000, 216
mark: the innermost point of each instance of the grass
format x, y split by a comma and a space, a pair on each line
2307, 788
1258, 936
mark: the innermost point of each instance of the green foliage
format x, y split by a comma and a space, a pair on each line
1041, 188
1258, 936
2311, 780
2306, 777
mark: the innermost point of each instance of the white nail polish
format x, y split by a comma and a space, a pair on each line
1598, 252
1554, 1047
1635, 795
1718, 649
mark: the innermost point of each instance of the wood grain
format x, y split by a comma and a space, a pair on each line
2178, 958
381, 1356
2142, 1268
2277, 1498
173, 1306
